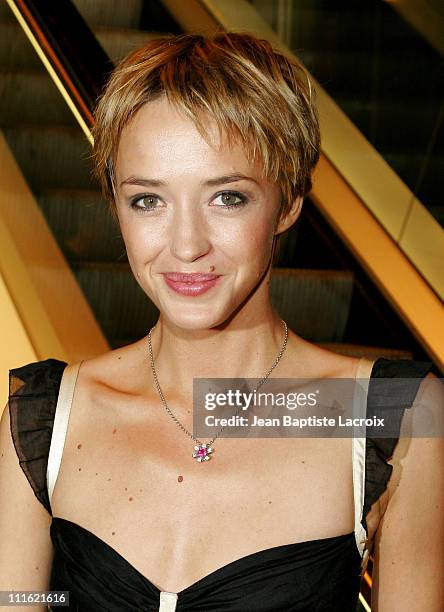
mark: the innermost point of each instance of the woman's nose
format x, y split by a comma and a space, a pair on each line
189, 238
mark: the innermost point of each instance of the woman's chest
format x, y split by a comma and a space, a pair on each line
176, 520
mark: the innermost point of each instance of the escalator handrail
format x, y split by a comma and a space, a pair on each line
69, 50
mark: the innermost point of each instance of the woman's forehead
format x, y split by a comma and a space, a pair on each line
162, 121
161, 137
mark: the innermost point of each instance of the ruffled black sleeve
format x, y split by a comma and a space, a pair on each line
394, 396
33, 393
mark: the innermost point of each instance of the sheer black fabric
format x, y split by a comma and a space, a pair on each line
385, 395
33, 393
312, 576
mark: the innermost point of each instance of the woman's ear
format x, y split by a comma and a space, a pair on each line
286, 220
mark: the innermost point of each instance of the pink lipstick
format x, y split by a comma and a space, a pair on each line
190, 284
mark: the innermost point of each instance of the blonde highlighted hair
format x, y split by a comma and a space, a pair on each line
252, 91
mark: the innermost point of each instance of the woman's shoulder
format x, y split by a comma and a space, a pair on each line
411, 521
34, 390
124, 370
407, 396
311, 360
37, 384
32, 401
36, 379
306, 359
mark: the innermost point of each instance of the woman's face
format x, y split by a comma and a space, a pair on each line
185, 207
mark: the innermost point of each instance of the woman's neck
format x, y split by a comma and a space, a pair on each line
237, 349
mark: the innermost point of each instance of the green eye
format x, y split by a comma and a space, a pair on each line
231, 199
147, 202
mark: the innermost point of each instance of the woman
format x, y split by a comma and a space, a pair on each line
205, 149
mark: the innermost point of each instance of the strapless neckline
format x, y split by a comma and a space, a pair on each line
258, 557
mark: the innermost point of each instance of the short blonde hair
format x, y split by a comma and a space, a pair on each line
251, 90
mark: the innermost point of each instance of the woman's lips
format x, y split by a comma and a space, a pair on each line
190, 284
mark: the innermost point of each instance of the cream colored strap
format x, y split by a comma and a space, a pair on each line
61, 418
358, 449
168, 601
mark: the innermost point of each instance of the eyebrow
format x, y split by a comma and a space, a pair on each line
219, 180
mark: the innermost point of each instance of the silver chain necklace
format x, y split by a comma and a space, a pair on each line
203, 451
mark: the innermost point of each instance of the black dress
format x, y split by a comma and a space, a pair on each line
316, 575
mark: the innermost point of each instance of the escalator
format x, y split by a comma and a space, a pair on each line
379, 68
383, 75
338, 306
318, 284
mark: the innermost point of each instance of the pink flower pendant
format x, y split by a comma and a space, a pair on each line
202, 452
